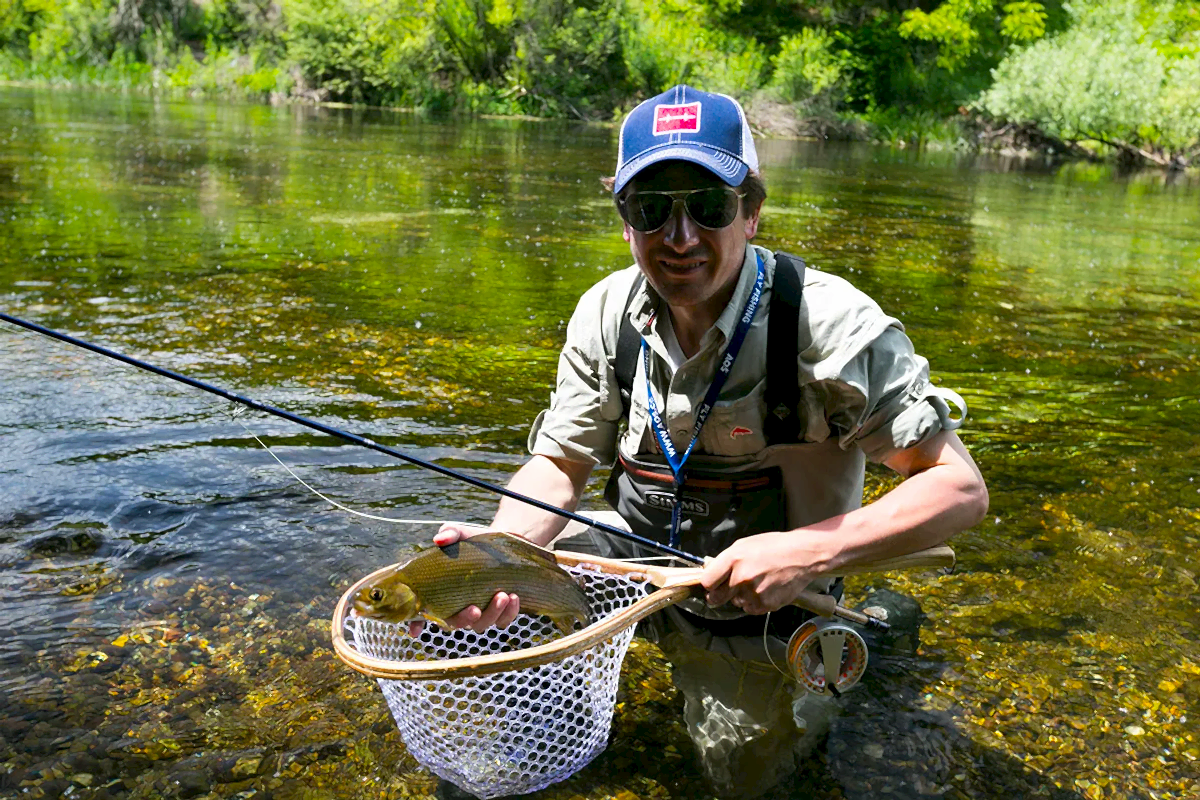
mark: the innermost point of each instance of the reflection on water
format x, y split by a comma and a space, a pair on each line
166, 585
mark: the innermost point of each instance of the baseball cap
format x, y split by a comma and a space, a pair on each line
685, 123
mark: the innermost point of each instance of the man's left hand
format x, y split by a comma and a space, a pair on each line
761, 573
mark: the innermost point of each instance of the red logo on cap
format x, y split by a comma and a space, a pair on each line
677, 119
739, 431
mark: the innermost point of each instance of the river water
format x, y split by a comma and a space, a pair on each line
166, 585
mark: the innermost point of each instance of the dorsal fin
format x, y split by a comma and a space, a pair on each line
512, 543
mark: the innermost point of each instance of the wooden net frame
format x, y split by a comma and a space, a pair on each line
673, 584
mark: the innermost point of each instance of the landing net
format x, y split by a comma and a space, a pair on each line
509, 732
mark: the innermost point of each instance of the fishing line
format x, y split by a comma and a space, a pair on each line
361, 441
238, 410
766, 624
336, 504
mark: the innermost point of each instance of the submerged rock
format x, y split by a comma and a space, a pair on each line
189, 783
57, 543
902, 613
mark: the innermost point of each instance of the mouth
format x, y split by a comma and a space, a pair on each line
681, 267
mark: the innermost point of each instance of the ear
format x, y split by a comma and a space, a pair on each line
627, 232
751, 226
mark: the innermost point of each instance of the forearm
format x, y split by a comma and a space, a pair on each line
934, 502
555, 481
943, 493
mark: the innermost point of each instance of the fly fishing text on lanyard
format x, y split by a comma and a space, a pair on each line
676, 461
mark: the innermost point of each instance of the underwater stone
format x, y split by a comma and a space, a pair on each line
57, 544
189, 782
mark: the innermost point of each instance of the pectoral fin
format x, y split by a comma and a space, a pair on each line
436, 620
567, 622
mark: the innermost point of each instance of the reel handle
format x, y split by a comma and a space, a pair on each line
825, 605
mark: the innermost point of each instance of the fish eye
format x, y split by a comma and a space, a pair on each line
376, 594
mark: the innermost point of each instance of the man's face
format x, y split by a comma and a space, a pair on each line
688, 265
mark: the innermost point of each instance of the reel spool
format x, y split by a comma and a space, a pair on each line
821, 648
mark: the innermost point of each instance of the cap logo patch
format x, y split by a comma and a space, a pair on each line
676, 119
739, 431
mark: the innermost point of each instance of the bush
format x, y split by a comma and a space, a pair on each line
1180, 124
568, 61
359, 50
664, 44
729, 64
75, 32
650, 47
244, 24
806, 67
1105, 79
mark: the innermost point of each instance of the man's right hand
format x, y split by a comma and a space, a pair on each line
500, 613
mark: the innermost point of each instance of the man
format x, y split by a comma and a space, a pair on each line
720, 456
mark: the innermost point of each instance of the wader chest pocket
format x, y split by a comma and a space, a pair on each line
718, 507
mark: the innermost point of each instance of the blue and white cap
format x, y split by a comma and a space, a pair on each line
687, 124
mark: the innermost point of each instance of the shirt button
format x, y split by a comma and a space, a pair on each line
681, 433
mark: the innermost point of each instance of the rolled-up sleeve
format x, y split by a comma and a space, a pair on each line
887, 402
581, 423
873, 387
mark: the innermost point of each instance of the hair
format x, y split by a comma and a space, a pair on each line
752, 185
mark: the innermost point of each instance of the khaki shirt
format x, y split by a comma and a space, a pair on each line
863, 390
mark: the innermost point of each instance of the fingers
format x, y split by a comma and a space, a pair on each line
509, 615
452, 532
715, 579
500, 613
754, 589
415, 627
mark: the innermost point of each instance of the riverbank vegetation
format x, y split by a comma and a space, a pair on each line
1088, 78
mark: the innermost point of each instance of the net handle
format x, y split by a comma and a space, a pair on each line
675, 583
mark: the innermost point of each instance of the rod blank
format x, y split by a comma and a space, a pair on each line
345, 436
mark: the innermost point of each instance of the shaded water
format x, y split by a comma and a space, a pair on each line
166, 586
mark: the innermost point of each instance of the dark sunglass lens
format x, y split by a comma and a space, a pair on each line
713, 208
647, 212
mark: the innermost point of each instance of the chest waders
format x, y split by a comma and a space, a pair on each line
717, 507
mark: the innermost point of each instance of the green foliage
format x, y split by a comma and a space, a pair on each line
1107, 79
478, 33
246, 24
1023, 22
807, 66
74, 32
223, 70
16, 22
568, 61
896, 127
1180, 103
361, 50
962, 28
665, 44
654, 59
1126, 71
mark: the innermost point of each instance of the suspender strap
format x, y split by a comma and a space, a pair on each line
629, 343
782, 424
783, 380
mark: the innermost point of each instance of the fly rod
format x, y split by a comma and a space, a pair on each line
349, 437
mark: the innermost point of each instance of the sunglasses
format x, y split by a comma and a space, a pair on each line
711, 208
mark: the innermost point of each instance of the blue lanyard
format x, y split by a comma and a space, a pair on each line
674, 459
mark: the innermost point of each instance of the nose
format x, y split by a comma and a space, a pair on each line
680, 232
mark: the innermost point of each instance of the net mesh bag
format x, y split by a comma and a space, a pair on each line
510, 732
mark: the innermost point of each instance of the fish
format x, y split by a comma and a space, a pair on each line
438, 582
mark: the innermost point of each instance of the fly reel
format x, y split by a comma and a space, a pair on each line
826, 656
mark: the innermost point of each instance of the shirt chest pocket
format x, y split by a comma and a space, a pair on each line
735, 428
